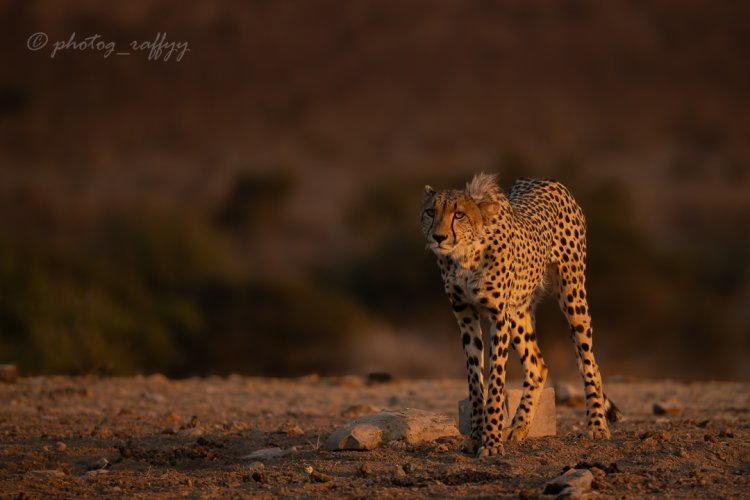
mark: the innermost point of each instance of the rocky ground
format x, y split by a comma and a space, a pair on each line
150, 437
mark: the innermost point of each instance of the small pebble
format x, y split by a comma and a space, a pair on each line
399, 473
397, 445
172, 417
171, 430
527, 495
290, 429
60, 446
102, 463
667, 407
379, 378
365, 469
319, 477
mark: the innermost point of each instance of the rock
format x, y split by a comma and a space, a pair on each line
102, 463
171, 430
157, 378
257, 476
365, 469
667, 407
597, 467
154, 398
575, 493
233, 426
8, 373
267, 454
399, 472
657, 436
290, 429
544, 423
320, 477
410, 426
309, 378
255, 466
397, 445
379, 378
101, 432
356, 411
527, 495
351, 381
172, 417
60, 446
358, 437
569, 395
576, 478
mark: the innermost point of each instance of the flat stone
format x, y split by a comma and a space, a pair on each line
575, 478
575, 493
667, 407
355, 437
408, 426
544, 423
267, 454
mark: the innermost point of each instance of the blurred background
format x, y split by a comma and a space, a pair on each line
253, 207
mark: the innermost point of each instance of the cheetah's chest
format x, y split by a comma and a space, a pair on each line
465, 283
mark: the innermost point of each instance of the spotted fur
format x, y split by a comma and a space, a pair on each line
498, 255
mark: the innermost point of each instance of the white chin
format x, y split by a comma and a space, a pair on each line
441, 250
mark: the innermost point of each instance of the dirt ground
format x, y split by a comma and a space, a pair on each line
150, 437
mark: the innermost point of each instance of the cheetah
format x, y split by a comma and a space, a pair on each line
498, 256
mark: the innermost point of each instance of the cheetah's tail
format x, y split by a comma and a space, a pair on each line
611, 410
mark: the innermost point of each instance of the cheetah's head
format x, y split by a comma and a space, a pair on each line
454, 220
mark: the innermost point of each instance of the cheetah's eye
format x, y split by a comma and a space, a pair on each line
430, 212
459, 215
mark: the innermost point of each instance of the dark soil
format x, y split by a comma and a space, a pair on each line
148, 437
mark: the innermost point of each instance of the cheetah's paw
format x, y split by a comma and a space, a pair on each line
518, 433
491, 450
599, 433
469, 446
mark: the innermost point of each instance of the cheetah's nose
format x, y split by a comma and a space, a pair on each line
439, 238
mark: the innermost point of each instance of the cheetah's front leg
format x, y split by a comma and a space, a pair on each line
494, 411
471, 337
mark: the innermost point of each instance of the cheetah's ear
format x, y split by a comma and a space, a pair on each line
428, 191
488, 209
